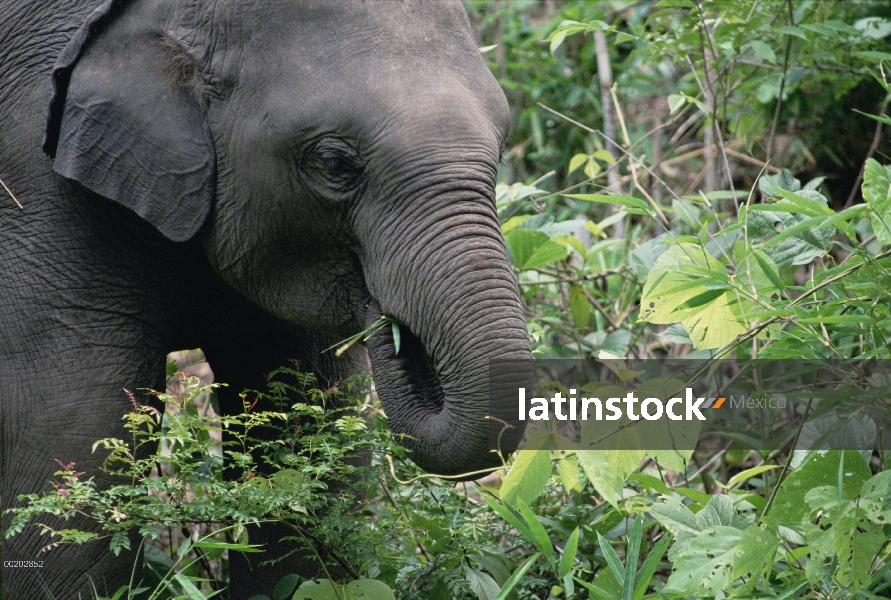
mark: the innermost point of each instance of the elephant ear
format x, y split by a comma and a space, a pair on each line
124, 125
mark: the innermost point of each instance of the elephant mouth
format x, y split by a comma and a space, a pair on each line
404, 371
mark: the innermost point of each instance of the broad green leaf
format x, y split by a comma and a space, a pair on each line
704, 567
513, 223
789, 507
592, 168
793, 239
494, 564
837, 526
875, 498
877, 194
677, 518
764, 51
527, 477
289, 481
285, 587
784, 180
674, 283
545, 254
607, 470
755, 553
481, 583
531, 249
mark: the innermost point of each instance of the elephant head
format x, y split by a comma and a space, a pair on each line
337, 162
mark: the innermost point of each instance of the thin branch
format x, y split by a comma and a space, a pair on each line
776, 111
616, 145
876, 139
11, 195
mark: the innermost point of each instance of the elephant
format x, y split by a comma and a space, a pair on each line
258, 179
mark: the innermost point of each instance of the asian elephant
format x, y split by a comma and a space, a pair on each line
258, 179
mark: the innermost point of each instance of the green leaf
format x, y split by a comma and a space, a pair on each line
527, 477
789, 507
604, 156
649, 566
513, 223
612, 560
360, 589
784, 180
119, 541
704, 567
769, 268
575, 162
171, 369
531, 249
516, 577
510, 516
743, 475
764, 51
397, 336
755, 553
481, 583
285, 587
611, 199
631, 555
791, 30
570, 549
607, 470
289, 481
676, 102
540, 538
674, 292
579, 307
568, 471
875, 498
877, 194
794, 239
686, 526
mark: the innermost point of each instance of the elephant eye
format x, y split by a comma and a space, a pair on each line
338, 163
337, 166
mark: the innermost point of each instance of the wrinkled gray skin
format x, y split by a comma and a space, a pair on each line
260, 179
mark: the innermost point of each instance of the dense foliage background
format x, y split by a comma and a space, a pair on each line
685, 178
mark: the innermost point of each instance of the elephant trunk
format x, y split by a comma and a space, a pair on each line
451, 289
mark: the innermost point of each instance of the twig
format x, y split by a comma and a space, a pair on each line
599, 308
776, 112
605, 73
591, 277
11, 195
621, 149
876, 138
